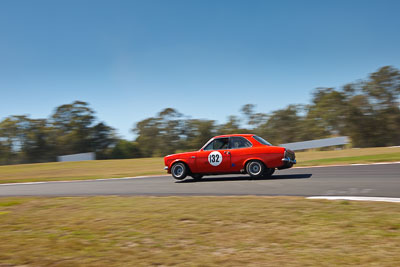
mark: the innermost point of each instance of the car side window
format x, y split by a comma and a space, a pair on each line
239, 142
220, 143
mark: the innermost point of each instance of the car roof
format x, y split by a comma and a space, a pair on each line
229, 135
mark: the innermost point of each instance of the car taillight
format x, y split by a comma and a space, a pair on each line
289, 154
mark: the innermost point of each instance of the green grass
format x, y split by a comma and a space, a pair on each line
197, 231
86, 170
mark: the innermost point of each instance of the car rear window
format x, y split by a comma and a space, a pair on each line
261, 140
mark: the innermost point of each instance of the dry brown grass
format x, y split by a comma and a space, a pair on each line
197, 231
81, 170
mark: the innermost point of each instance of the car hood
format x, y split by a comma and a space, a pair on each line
181, 155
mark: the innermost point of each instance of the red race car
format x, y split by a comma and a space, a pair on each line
227, 154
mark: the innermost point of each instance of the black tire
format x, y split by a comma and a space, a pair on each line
179, 170
268, 172
255, 168
196, 176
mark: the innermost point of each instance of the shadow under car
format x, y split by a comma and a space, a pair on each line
244, 178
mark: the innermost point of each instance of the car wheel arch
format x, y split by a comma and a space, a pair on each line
250, 159
182, 161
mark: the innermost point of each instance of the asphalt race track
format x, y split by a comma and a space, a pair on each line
381, 180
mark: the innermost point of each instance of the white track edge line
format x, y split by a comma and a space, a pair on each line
358, 198
91, 180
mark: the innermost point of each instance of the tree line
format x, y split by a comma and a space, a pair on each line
367, 111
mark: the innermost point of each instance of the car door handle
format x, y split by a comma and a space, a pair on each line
227, 152
193, 157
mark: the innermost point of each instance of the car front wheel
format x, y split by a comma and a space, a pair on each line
255, 168
179, 171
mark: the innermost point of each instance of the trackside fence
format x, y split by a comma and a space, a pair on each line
334, 141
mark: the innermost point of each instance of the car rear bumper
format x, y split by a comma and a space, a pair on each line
288, 160
166, 168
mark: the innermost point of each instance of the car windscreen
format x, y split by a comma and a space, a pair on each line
261, 140
216, 144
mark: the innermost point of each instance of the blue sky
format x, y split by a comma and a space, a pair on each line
130, 59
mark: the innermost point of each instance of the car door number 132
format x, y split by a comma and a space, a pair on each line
215, 158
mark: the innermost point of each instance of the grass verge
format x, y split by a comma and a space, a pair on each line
351, 160
86, 170
82, 170
197, 231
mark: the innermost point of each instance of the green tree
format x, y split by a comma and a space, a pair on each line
147, 132
125, 150
232, 126
161, 135
172, 131
361, 122
7, 140
101, 139
383, 88
283, 126
25, 140
198, 132
4, 153
328, 110
253, 119
383, 91
72, 124
37, 146
373, 115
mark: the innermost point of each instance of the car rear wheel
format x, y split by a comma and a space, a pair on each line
179, 171
197, 177
255, 168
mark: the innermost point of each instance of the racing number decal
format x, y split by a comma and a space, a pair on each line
215, 158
